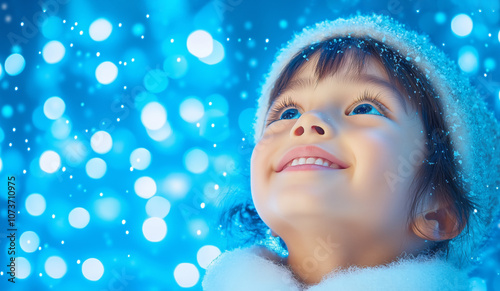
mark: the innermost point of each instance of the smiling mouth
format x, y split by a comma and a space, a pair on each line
311, 163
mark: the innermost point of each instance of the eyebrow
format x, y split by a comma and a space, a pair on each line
370, 79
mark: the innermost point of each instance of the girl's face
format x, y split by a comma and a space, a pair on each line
383, 144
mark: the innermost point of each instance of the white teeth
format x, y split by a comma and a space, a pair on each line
313, 161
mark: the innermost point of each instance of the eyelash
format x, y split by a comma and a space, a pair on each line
288, 102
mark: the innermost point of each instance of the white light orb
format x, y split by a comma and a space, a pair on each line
100, 29
35, 204
96, 168
23, 269
461, 25
53, 52
145, 187
14, 64
29, 241
186, 275
140, 158
191, 109
50, 162
206, 254
79, 217
101, 142
153, 115
216, 56
54, 107
157, 206
196, 161
200, 43
106, 73
92, 269
55, 267
154, 229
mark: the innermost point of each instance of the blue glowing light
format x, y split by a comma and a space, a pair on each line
191, 109
54, 107
96, 168
14, 64
92, 269
53, 52
216, 56
106, 72
100, 29
52, 27
186, 275
461, 25
200, 43
7, 111
154, 229
468, 59
35, 204
196, 161
55, 267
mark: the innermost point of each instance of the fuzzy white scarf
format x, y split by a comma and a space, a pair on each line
256, 269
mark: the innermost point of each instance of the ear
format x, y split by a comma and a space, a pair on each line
437, 223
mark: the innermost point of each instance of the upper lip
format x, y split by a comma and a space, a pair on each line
308, 151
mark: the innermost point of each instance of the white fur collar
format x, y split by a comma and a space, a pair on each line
256, 268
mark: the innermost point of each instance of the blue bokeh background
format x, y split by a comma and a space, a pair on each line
145, 156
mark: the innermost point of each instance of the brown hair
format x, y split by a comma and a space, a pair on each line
438, 174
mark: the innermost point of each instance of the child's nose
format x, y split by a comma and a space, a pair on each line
310, 123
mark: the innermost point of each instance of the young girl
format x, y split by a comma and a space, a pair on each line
375, 166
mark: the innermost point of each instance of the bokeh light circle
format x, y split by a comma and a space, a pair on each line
196, 161
55, 267
53, 52
145, 187
61, 128
7, 111
50, 162
108, 208
206, 254
14, 64
468, 59
92, 269
100, 29
191, 109
29, 241
96, 168
186, 275
101, 142
35, 204
54, 107
140, 158
23, 269
200, 43
158, 206
79, 217
153, 115
154, 229
461, 25
217, 54
106, 72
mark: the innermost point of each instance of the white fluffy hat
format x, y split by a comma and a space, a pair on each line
474, 130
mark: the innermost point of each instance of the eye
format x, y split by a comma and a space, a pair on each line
277, 113
366, 108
